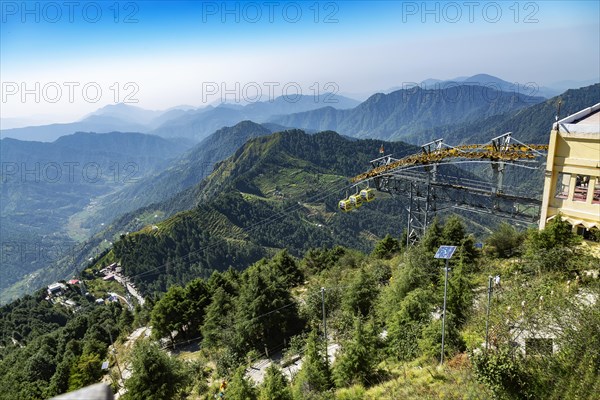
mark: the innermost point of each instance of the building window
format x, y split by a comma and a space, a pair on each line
596, 195
538, 346
581, 187
562, 185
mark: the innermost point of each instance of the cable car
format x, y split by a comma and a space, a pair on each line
356, 200
367, 194
345, 205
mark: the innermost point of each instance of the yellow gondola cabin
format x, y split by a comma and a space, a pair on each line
367, 194
345, 205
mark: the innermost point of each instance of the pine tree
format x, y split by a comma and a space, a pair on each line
362, 293
168, 313
288, 267
85, 371
275, 385
430, 343
197, 299
218, 319
358, 360
387, 247
453, 232
460, 294
432, 238
240, 387
156, 376
263, 291
405, 326
315, 376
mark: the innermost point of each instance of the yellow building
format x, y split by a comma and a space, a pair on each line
572, 179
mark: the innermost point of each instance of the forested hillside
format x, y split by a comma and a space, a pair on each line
383, 316
398, 115
279, 191
529, 125
182, 173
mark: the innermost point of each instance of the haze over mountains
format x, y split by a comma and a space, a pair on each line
195, 124
44, 185
169, 171
400, 113
180, 122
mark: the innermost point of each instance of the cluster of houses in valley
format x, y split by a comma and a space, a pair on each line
57, 291
111, 272
114, 272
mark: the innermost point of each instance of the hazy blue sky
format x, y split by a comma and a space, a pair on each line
189, 52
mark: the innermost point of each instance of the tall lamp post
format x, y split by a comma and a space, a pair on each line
444, 253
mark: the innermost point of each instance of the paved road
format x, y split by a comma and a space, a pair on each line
257, 371
133, 291
142, 332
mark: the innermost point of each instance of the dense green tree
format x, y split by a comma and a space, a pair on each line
264, 293
168, 313
410, 275
93, 345
468, 254
430, 343
275, 385
404, 327
503, 373
552, 248
125, 321
360, 296
39, 366
155, 375
432, 239
288, 267
85, 371
60, 380
315, 376
318, 259
313, 307
359, 357
460, 294
218, 320
197, 298
453, 231
387, 247
228, 281
240, 387
505, 241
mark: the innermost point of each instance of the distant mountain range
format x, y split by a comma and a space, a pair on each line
398, 115
193, 124
533, 89
531, 124
198, 124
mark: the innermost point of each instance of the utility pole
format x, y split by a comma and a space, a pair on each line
444, 312
487, 318
115, 353
446, 253
324, 323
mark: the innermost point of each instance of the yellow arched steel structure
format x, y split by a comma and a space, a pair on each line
418, 179
511, 152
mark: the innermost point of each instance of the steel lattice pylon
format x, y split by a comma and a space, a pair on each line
429, 189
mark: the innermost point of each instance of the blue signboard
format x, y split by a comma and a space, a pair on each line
445, 252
